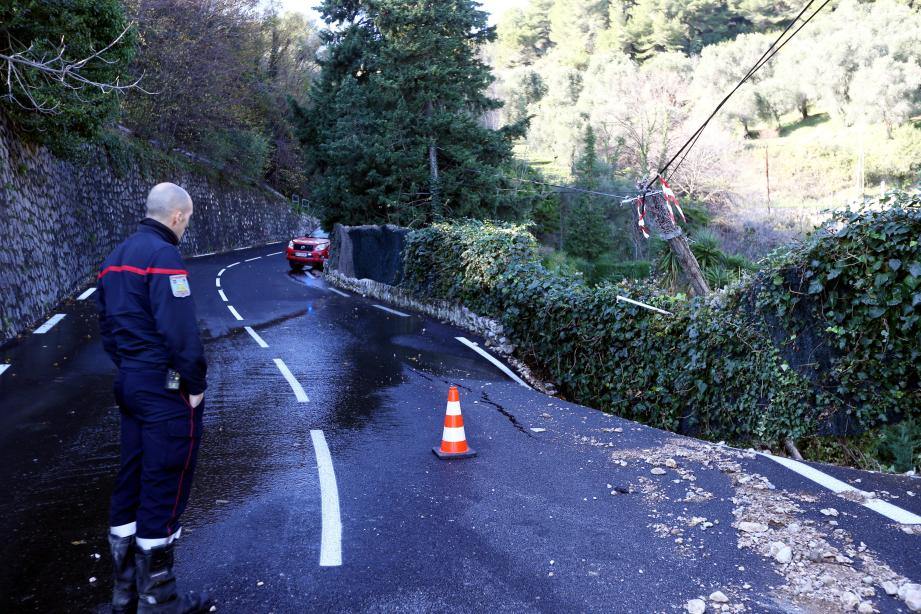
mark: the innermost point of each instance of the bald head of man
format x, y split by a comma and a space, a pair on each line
171, 206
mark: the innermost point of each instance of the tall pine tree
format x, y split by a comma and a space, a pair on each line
395, 129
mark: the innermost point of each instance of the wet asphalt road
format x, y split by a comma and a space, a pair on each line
529, 525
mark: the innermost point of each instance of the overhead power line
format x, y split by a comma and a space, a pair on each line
769, 53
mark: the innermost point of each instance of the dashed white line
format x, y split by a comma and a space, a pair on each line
256, 336
251, 259
217, 282
299, 393
86, 294
339, 292
223, 296
837, 486
274, 254
232, 265
44, 328
393, 311
203, 255
234, 312
476, 348
4, 367
221, 272
331, 536
237, 249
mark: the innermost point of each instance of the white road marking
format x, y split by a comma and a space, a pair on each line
223, 296
44, 328
221, 272
837, 486
256, 336
234, 312
331, 537
299, 393
274, 254
4, 367
237, 249
394, 312
312, 273
203, 255
232, 265
251, 259
217, 282
476, 348
86, 294
339, 292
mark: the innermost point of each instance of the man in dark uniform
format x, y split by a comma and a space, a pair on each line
148, 325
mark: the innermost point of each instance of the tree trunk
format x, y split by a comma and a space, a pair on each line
434, 188
678, 244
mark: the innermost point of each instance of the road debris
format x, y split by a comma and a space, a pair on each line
823, 570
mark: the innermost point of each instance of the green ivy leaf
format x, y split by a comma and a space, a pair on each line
815, 286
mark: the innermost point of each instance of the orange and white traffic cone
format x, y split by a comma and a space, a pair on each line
453, 439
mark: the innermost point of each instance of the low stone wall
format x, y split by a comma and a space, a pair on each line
61, 218
449, 313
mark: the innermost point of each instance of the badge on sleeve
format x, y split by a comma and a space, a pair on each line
180, 285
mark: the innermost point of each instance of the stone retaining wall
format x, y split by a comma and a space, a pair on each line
61, 218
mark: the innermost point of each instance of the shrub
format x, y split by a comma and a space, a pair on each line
826, 340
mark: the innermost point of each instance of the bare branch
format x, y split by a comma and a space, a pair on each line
26, 73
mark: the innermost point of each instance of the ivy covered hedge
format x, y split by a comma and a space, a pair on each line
826, 338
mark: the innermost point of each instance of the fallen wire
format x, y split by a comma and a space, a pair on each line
769, 53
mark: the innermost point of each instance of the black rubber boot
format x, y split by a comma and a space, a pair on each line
124, 589
157, 585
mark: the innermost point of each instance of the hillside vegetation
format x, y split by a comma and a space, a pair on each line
827, 120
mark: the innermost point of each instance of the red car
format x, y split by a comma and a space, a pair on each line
312, 250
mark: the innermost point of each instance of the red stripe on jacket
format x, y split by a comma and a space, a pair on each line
138, 271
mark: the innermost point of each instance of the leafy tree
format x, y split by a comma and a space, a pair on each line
38, 30
394, 128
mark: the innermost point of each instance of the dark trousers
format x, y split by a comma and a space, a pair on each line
160, 436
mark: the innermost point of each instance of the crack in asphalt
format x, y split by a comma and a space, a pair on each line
485, 398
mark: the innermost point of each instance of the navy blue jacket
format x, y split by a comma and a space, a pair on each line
146, 313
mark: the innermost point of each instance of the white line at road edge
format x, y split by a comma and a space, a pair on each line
251, 259
274, 254
396, 313
44, 328
476, 348
339, 292
221, 272
256, 336
217, 282
234, 312
237, 249
837, 486
223, 296
331, 538
295, 385
232, 265
86, 294
4, 367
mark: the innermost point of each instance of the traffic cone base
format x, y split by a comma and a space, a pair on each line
470, 453
453, 439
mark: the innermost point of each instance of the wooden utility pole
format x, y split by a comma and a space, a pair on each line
678, 243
